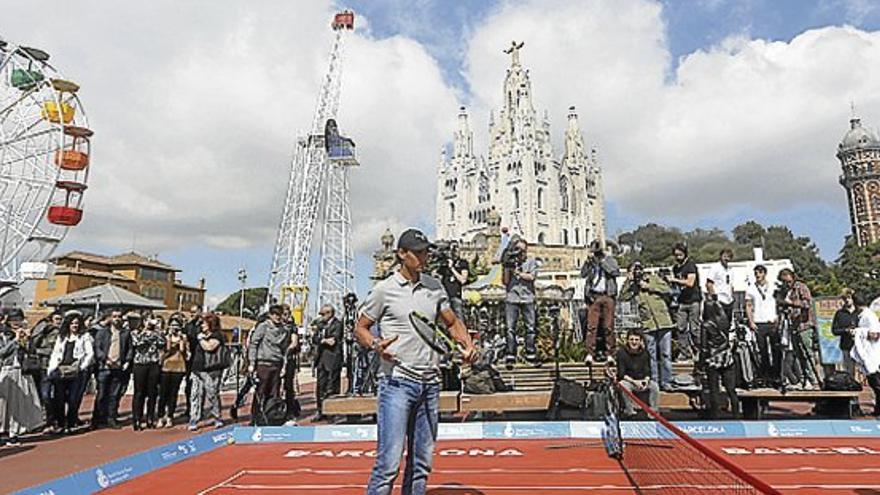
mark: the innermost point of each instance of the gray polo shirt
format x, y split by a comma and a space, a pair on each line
519, 290
389, 304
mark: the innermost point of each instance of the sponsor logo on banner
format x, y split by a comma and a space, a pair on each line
526, 430
105, 479
702, 429
371, 453
459, 431
258, 435
781, 451
344, 433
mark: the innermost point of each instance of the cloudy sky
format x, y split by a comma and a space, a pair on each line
704, 112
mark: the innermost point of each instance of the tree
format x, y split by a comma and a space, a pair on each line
651, 244
856, 268
749, 234
254, 299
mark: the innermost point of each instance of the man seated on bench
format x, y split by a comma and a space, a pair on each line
634, 372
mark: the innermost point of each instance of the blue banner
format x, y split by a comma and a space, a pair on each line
511, 429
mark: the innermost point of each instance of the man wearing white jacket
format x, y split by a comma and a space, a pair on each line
866, 348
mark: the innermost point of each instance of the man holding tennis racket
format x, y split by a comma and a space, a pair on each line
405, 305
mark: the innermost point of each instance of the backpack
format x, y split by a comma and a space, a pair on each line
271, 412
841, 381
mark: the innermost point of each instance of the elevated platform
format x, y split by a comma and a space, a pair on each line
835, 403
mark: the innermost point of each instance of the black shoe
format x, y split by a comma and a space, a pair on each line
136, 426
509, 361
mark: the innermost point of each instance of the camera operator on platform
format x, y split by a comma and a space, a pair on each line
600, 273
519, 274
453, 275
795, 302
649, 292
328, 356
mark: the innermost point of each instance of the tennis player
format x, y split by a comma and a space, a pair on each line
409, 376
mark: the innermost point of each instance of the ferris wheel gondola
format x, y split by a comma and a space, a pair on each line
45, 155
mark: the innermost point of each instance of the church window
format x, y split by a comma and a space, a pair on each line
563, 193
540, 198
541, 238
452, 211
577, 237
565, 236
515, 198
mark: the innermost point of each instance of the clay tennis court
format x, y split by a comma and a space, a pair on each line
513, 467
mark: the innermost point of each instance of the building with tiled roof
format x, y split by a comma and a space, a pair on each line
143, 275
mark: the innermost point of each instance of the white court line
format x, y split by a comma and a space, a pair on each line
801, 469
543, 488
223, 483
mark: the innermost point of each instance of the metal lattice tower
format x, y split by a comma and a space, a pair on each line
337, 260
309, 186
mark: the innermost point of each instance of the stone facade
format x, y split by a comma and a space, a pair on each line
549, 201
859, 155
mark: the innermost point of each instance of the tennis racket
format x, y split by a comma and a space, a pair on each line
435, 337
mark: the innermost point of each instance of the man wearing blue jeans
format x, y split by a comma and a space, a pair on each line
409, 385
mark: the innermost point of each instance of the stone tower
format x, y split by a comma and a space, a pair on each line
859, 155
544, 199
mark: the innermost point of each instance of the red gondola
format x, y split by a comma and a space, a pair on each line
343, 20
65, 215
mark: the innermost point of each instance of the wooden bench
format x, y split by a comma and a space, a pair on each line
753, 401
360, 405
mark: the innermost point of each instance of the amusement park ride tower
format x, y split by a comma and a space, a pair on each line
318, 177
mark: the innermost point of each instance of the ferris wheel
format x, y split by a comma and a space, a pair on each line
45, 149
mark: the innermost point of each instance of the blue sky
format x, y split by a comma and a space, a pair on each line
444, 28
218, 155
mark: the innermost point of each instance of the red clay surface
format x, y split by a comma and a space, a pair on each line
511, 467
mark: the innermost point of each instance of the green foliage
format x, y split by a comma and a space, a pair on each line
856, 268
652, 245
254, 299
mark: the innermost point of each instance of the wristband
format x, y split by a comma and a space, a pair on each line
375, 344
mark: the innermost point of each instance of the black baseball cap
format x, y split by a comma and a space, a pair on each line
413, 240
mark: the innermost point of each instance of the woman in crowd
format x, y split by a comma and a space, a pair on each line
205, 380
68, 365
20, 410
173, 370
845, 320
149, 345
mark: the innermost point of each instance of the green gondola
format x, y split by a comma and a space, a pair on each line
25, 79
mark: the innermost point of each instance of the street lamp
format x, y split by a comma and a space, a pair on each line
242, 277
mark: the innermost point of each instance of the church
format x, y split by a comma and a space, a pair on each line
547, 199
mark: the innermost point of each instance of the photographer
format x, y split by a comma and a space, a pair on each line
453, 274
795, 303
718, 352
764, 322
600, 273
649, 292
519, 276
687, 318
328, 358
719, 282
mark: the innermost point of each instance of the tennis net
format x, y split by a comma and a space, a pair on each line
658, 457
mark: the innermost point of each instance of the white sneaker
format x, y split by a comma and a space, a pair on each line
291, 422
588, 359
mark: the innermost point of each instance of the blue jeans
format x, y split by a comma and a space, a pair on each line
109, 385
512, 311
408, 415
660, 342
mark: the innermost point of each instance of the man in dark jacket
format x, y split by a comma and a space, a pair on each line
328, 360
113, 355
267, 346
845, 320
43, 341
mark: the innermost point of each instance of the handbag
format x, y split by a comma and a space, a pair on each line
67, 371
219, 359
30, 364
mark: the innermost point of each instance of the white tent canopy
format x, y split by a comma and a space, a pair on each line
105, 295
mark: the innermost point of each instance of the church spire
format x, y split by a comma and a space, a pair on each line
513, 51
464, 137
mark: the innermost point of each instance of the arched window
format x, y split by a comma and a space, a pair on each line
541, 238
452, 211
515, 198
565, 236
577, 236
563, 193
540, 198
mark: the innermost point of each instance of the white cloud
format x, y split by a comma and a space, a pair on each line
196, 109
748, 122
